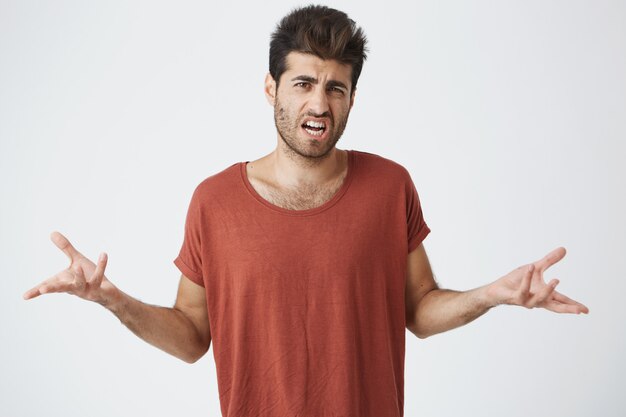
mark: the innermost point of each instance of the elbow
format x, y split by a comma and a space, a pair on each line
417, 317
193, 356
419, 332
190, 358
422, 334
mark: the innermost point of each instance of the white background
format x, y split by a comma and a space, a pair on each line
509, 115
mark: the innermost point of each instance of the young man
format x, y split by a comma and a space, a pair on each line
305, 267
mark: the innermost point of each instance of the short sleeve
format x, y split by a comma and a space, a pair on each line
189, 260
417, 229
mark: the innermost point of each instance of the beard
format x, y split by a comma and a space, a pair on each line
289, 129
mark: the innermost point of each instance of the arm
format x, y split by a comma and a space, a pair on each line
182, 331
431, 310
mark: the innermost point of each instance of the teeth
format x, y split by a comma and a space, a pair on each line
314, 132
318, 125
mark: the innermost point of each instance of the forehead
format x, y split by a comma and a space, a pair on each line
299, 63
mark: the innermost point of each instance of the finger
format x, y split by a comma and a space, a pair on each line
558, 307
563, 298
35, 291
64, 244
56, 286
543, 295
551, 258
32, 293
566, 300
98, 274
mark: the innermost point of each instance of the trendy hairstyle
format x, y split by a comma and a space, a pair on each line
320, 31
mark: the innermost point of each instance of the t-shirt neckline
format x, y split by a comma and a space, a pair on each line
307, 212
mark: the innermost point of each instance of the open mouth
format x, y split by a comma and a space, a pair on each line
313, 128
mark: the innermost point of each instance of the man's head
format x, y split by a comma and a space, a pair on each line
316, 56
321, 31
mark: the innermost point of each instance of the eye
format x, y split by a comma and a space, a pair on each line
336, 90
301, 84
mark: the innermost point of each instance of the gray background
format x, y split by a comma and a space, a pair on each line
509, 115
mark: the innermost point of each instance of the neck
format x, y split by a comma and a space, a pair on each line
292, 170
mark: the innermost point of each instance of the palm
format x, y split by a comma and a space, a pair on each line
82, 277
528, 288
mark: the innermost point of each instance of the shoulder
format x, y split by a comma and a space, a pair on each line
218, 185
381, 167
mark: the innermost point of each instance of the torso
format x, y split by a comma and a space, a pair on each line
302, 198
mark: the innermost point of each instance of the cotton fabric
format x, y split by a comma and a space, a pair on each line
306, 307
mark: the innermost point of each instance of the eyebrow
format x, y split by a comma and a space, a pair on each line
313, 80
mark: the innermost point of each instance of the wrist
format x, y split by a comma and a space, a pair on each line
486, 297
112, 298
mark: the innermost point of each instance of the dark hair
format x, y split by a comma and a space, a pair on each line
321, 31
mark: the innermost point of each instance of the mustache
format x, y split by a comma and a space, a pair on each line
319, 115
311, 114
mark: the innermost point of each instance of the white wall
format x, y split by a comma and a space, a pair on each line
510, 116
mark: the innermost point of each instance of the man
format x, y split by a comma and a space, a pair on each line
306, 266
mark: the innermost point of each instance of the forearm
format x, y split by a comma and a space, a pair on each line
441, 310
166, 328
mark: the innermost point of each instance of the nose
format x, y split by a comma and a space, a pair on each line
318, 101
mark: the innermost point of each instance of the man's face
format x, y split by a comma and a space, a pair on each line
312, 103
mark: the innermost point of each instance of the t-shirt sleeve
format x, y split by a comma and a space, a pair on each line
189, 259
417, 229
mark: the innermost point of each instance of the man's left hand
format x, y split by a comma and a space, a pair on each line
525, 286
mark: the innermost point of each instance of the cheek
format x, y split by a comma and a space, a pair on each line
289, 110
280, 113
283, 116
341, 111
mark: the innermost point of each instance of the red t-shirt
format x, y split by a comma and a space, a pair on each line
306, 307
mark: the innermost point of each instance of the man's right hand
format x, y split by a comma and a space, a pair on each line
82, 277
182, 331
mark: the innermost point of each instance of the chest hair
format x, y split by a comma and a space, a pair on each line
303, 197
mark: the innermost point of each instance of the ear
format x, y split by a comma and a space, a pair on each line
270, 89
